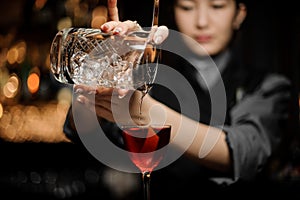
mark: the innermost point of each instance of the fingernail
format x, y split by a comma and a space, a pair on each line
122, 93
78, 91
105, 26
121, 96
92, 92
80, 99
158, 39
118, 30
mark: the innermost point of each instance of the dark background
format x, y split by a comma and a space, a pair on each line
270, 38
270, 34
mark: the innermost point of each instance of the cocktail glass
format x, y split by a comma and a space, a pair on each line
145, 145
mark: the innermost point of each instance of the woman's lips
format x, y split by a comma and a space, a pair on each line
203, 38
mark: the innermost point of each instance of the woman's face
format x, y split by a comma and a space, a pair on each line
209, 22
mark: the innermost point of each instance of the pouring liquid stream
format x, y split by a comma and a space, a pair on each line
146, 87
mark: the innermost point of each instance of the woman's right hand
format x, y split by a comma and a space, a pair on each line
159, 33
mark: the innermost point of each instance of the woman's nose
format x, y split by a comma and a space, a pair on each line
202, 18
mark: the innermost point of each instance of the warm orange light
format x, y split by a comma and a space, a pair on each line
17, 53
33, 82
98, 21
21, 55
64, 96
12, 55
64, 23
10, 89
99, 11
39, 4
1, 110
21, 48
47, 62
99, 16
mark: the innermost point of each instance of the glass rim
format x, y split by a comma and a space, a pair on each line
146, 126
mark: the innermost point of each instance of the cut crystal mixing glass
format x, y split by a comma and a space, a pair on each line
91, 57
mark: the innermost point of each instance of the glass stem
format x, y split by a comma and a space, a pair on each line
146, 184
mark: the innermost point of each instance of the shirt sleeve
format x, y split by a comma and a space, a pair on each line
258, 122
111, 130
69, 128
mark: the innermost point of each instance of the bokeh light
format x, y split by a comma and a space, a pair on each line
99, 16
1, 110
10, 89
17, 53
64, 23
39, 4
33, 82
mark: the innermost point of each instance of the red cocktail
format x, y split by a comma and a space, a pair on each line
145, 147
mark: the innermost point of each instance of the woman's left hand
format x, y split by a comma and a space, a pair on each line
108, 104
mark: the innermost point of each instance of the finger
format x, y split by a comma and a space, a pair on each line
123, 27
90, 90
102, 108
122, 93
112, 10
107, 101
90, 104
109, 26
83, 99
120, 28
101, 111
84, 89
160, 34
104, 113
104, 91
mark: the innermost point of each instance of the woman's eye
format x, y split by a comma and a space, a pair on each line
218, 6
185, 7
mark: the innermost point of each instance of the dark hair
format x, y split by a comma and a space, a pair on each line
167, 12
241, 1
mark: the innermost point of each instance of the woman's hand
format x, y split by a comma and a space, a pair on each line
119, 105
106, 102
159, 33
112, 9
